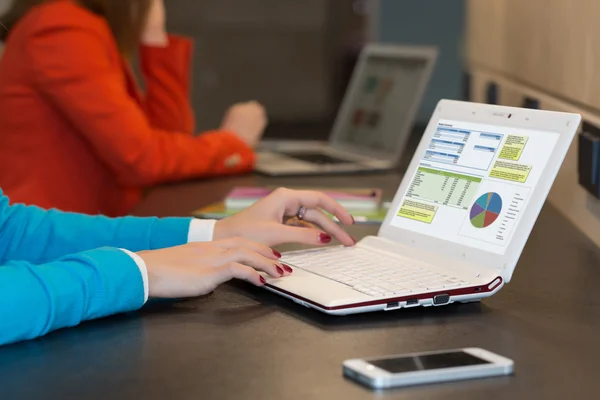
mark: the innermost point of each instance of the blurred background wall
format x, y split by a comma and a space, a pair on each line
287, 54
429, 22
296, 56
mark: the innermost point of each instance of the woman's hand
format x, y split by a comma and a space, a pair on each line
247, 120
264, 221
196, 269
155, 31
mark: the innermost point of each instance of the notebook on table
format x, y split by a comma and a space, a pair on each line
220, 211
355, 199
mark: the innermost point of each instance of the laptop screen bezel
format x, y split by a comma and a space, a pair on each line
565, 124
369, 52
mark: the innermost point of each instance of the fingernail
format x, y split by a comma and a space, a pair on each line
263, 281
353, 220
279, 270
354, 240
287, 268
324, 238
277, 254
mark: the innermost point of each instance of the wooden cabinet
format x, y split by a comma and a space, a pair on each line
551, 45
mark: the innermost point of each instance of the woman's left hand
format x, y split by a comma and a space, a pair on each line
155, 31
264, 221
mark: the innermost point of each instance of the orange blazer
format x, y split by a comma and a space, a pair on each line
76, 133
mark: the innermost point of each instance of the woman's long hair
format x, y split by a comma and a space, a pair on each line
126, 18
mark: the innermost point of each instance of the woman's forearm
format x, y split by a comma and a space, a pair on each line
37, 299
39, 236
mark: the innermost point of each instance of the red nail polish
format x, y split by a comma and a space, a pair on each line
288, 268
324, 238
263, 281
277, 254
279, 270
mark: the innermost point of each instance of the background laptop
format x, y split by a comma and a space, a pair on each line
458, 222
374, 120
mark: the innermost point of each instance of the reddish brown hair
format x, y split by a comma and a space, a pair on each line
126, 18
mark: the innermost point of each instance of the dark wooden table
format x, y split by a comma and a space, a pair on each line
245, 343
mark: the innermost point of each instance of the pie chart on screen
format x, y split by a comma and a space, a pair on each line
486, 210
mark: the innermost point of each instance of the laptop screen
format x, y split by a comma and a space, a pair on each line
473, 183
382, 102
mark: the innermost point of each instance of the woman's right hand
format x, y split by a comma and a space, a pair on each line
196, 269
247, 120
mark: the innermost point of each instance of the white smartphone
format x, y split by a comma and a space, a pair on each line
431, 367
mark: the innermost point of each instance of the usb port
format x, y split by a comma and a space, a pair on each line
412, 302
393, 304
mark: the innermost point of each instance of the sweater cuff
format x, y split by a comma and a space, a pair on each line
240, 156
176, 56
175, 43
201, 230
143, 271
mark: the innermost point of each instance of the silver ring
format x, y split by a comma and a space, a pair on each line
301, 213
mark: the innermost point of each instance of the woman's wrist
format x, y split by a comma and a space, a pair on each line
156, 38
224, 229
220, 230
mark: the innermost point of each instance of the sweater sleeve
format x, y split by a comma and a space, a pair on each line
35, 235
71, 67
37, 299
166, 72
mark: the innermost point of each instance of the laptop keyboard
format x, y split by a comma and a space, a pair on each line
373, 273
317, 158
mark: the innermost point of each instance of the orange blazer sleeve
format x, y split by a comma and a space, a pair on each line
73, 66
166, 72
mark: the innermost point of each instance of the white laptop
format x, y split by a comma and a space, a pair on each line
458, 222
373, 123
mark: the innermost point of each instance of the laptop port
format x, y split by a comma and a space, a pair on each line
441, 299
412, 302
392, 305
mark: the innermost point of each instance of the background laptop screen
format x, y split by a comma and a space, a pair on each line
474, 182
382, 102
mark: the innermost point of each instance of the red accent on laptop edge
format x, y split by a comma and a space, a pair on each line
421, 296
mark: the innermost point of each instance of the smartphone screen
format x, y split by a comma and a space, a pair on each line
427, 362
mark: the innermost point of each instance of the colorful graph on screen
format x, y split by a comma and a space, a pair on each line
486, 210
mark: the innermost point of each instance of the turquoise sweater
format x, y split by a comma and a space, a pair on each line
58, 269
